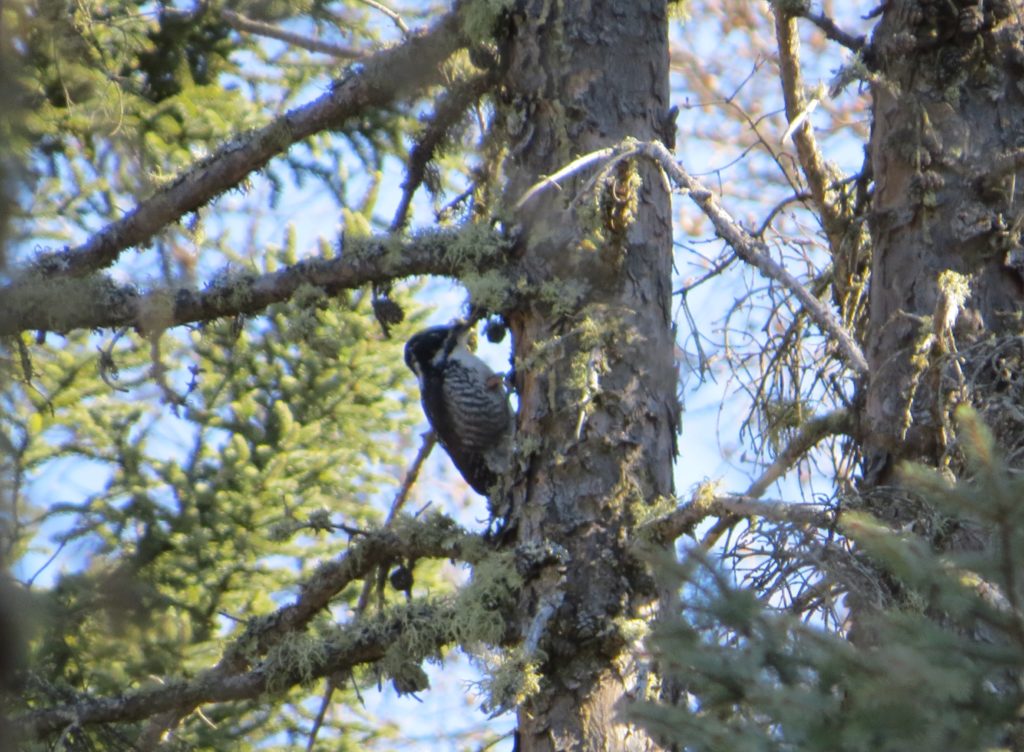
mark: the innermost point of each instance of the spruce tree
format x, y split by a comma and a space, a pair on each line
215, 221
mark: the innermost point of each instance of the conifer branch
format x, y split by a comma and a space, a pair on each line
62, 305
379, 80
239, 676
365, 642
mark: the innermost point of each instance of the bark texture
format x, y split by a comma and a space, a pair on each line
593, 354
945, 146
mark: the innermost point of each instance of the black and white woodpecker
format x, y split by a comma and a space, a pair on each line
465, 402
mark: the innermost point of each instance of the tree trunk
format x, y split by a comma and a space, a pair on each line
948, 127
594, 353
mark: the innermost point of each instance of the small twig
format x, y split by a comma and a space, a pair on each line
429, 440
551, 181
397, 19
795, 198
46, 564
832, 31
252, 26
449, 108
107, 365
321, 714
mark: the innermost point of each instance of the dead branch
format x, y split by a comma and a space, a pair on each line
251, 26
393, 15
429, 440
810, 434
816, 172
731, 509
688, 516
832, 31
449, 109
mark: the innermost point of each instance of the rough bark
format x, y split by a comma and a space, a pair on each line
948, 114
593, 354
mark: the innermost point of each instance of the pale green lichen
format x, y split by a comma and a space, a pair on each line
563, 295
489, 290
297, 655
655, 509
704, 497
782, 416
512, 678
955, 286
484, 604
679, 10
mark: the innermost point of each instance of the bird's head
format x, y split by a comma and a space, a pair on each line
430, 347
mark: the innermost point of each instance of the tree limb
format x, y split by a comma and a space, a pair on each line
395, 17
798, 108
832, 31
365, 643
380, 80
806, 438
687, 517
232, 679
732, 508
63, 305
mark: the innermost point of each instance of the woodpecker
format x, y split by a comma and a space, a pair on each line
465, 402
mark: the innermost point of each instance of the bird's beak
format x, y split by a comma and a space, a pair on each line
465, 334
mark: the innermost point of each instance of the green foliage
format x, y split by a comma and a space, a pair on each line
122, 96
940, 671
188, 484
277, 422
